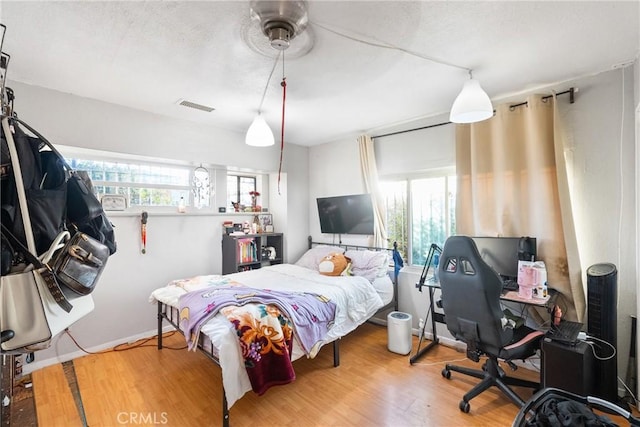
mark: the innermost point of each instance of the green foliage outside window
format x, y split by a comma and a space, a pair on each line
142, 184
420, 212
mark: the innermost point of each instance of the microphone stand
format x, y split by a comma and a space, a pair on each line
433, 250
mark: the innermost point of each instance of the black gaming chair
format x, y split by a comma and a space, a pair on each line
471, 302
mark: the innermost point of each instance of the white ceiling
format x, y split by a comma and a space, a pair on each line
148, 55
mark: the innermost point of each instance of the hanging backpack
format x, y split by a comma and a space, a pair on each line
84, 212
44, 180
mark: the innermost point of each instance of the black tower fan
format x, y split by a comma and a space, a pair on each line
602, 297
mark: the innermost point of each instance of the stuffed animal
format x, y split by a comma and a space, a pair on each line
333, 264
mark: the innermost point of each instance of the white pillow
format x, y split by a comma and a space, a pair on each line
311, 259
369, 264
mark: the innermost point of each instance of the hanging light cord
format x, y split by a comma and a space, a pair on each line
264, 94
386, 45
284, 98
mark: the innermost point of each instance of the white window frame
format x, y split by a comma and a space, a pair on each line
242, 175
98, 156
433, 173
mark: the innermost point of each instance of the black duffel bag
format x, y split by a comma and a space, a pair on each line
43, 177
84, 213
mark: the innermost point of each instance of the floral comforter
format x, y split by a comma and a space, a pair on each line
265, 321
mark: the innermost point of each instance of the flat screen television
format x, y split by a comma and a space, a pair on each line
346, 214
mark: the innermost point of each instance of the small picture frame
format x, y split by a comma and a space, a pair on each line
266, 221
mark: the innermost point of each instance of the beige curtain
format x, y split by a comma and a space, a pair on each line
509, 185
370, 177
574, 268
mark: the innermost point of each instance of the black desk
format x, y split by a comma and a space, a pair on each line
511, 296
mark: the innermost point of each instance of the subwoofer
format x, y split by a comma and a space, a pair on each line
602, 323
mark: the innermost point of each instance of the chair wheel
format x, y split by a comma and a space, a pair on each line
446, 373
464, 406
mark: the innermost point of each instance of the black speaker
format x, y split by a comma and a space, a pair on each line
567, 367
602, 323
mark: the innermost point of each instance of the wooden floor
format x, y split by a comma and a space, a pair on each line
371, 387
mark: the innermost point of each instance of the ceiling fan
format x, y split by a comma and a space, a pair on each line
278, 25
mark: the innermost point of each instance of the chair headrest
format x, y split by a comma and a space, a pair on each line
463, 245
464, 250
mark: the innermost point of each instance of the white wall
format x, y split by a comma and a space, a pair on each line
82, 122
289, 205
636, 98
602, 157
636, 87
296, 214
178, 246
334, 170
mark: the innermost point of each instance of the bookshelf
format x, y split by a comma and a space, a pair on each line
242, 253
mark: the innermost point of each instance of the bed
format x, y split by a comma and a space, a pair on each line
369, 288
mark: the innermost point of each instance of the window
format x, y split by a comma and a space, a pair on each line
143, 184
397, 221
238, 188
420, 211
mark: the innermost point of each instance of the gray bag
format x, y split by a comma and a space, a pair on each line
33, 307
22, 311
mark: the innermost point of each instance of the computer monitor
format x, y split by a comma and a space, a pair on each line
503, 253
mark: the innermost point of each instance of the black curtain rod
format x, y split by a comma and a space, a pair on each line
570, 91
411, 130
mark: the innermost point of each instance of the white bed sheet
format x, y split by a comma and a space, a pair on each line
355, 297
384, 288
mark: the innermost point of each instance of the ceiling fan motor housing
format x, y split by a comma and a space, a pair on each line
279, 33
281, 21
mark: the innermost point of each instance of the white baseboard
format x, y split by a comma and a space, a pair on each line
377, 321
449, 342
34, 366
531, 363
444, 340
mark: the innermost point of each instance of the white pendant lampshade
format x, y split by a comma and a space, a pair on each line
259, 133
472, 104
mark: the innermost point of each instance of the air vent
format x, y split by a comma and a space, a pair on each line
200, 107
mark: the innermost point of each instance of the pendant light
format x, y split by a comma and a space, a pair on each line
259, 133
472, 104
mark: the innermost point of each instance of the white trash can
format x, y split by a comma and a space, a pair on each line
399, 332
